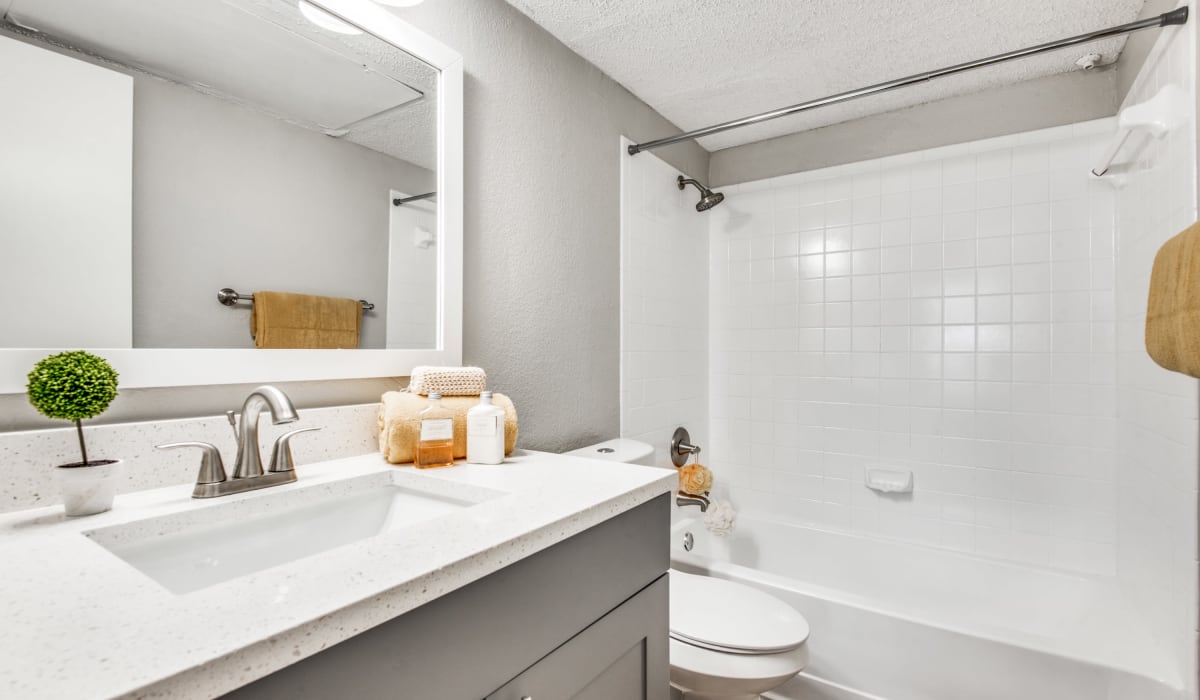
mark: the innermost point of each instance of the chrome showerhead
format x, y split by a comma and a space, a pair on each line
709, 201
708, 198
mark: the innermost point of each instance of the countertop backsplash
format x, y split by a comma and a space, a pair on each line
28, 478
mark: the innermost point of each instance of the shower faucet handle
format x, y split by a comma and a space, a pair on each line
682, 447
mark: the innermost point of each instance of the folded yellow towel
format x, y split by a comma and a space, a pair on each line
447, 381
285, 320
1173, 309
399, 426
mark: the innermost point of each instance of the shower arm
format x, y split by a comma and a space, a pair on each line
1176, 16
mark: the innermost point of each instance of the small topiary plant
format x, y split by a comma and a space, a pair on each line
72, 386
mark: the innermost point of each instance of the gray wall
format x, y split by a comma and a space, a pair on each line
224, 196
1034, 104
1138, 45
542, 229
542, 302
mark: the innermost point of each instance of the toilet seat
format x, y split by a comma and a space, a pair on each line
731, 618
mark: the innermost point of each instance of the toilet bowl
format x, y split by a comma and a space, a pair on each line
728, 641
731, 641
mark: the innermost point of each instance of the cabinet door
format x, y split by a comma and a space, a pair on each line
622, 656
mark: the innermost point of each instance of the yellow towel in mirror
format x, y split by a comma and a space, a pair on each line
1173, 309
285, 320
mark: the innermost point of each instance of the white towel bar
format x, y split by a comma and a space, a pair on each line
1156, 116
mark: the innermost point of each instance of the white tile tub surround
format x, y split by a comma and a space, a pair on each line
28, 458
664, 305
948, 311
1157, 427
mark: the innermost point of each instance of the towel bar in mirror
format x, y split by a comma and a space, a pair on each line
228, 297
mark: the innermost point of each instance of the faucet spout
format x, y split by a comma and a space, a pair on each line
690, 499
249, 459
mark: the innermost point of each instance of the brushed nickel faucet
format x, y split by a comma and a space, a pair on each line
247, 469
687, 499
249, 462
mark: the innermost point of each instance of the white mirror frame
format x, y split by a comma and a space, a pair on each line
152, 367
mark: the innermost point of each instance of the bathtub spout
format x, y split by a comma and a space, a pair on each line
687, 499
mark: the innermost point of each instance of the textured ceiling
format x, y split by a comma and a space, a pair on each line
700, 62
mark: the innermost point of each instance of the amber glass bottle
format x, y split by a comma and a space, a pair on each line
435, 446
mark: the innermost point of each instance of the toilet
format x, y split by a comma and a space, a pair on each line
618, 450
728, 641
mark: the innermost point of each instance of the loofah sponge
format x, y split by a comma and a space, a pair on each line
695, 479
720, 518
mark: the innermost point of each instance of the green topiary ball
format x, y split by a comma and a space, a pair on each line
72, 385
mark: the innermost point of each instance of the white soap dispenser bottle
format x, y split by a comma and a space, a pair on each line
485, 432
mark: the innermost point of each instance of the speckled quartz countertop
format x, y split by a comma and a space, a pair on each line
79, 622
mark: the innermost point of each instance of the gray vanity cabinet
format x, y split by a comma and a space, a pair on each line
585, 618
615, 658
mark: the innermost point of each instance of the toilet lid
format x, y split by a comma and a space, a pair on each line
718, 614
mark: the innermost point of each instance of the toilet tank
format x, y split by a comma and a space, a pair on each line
618, 450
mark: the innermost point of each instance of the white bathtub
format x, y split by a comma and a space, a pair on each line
904, 622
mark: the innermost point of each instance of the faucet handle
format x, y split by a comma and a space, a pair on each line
281, 456
212, 469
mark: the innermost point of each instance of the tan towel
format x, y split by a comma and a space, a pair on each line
1173, 309
285, 320
399, 427
447, 381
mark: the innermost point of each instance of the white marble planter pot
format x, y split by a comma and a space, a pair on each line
89, 490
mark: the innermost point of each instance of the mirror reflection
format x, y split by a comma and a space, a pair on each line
158, 152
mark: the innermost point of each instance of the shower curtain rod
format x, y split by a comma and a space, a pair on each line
1177, 16
399, 201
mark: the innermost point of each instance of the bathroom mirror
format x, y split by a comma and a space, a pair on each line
260, 145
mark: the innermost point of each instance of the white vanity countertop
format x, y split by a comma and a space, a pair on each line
78, 622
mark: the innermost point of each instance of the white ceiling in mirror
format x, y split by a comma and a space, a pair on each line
256, 62
406, 131
367, 91
403, 132
324, 20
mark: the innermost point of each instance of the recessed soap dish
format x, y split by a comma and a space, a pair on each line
890, 480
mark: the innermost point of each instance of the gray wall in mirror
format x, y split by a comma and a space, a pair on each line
542, 233
242, 189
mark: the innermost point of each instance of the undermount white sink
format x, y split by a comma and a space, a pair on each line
198, 548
